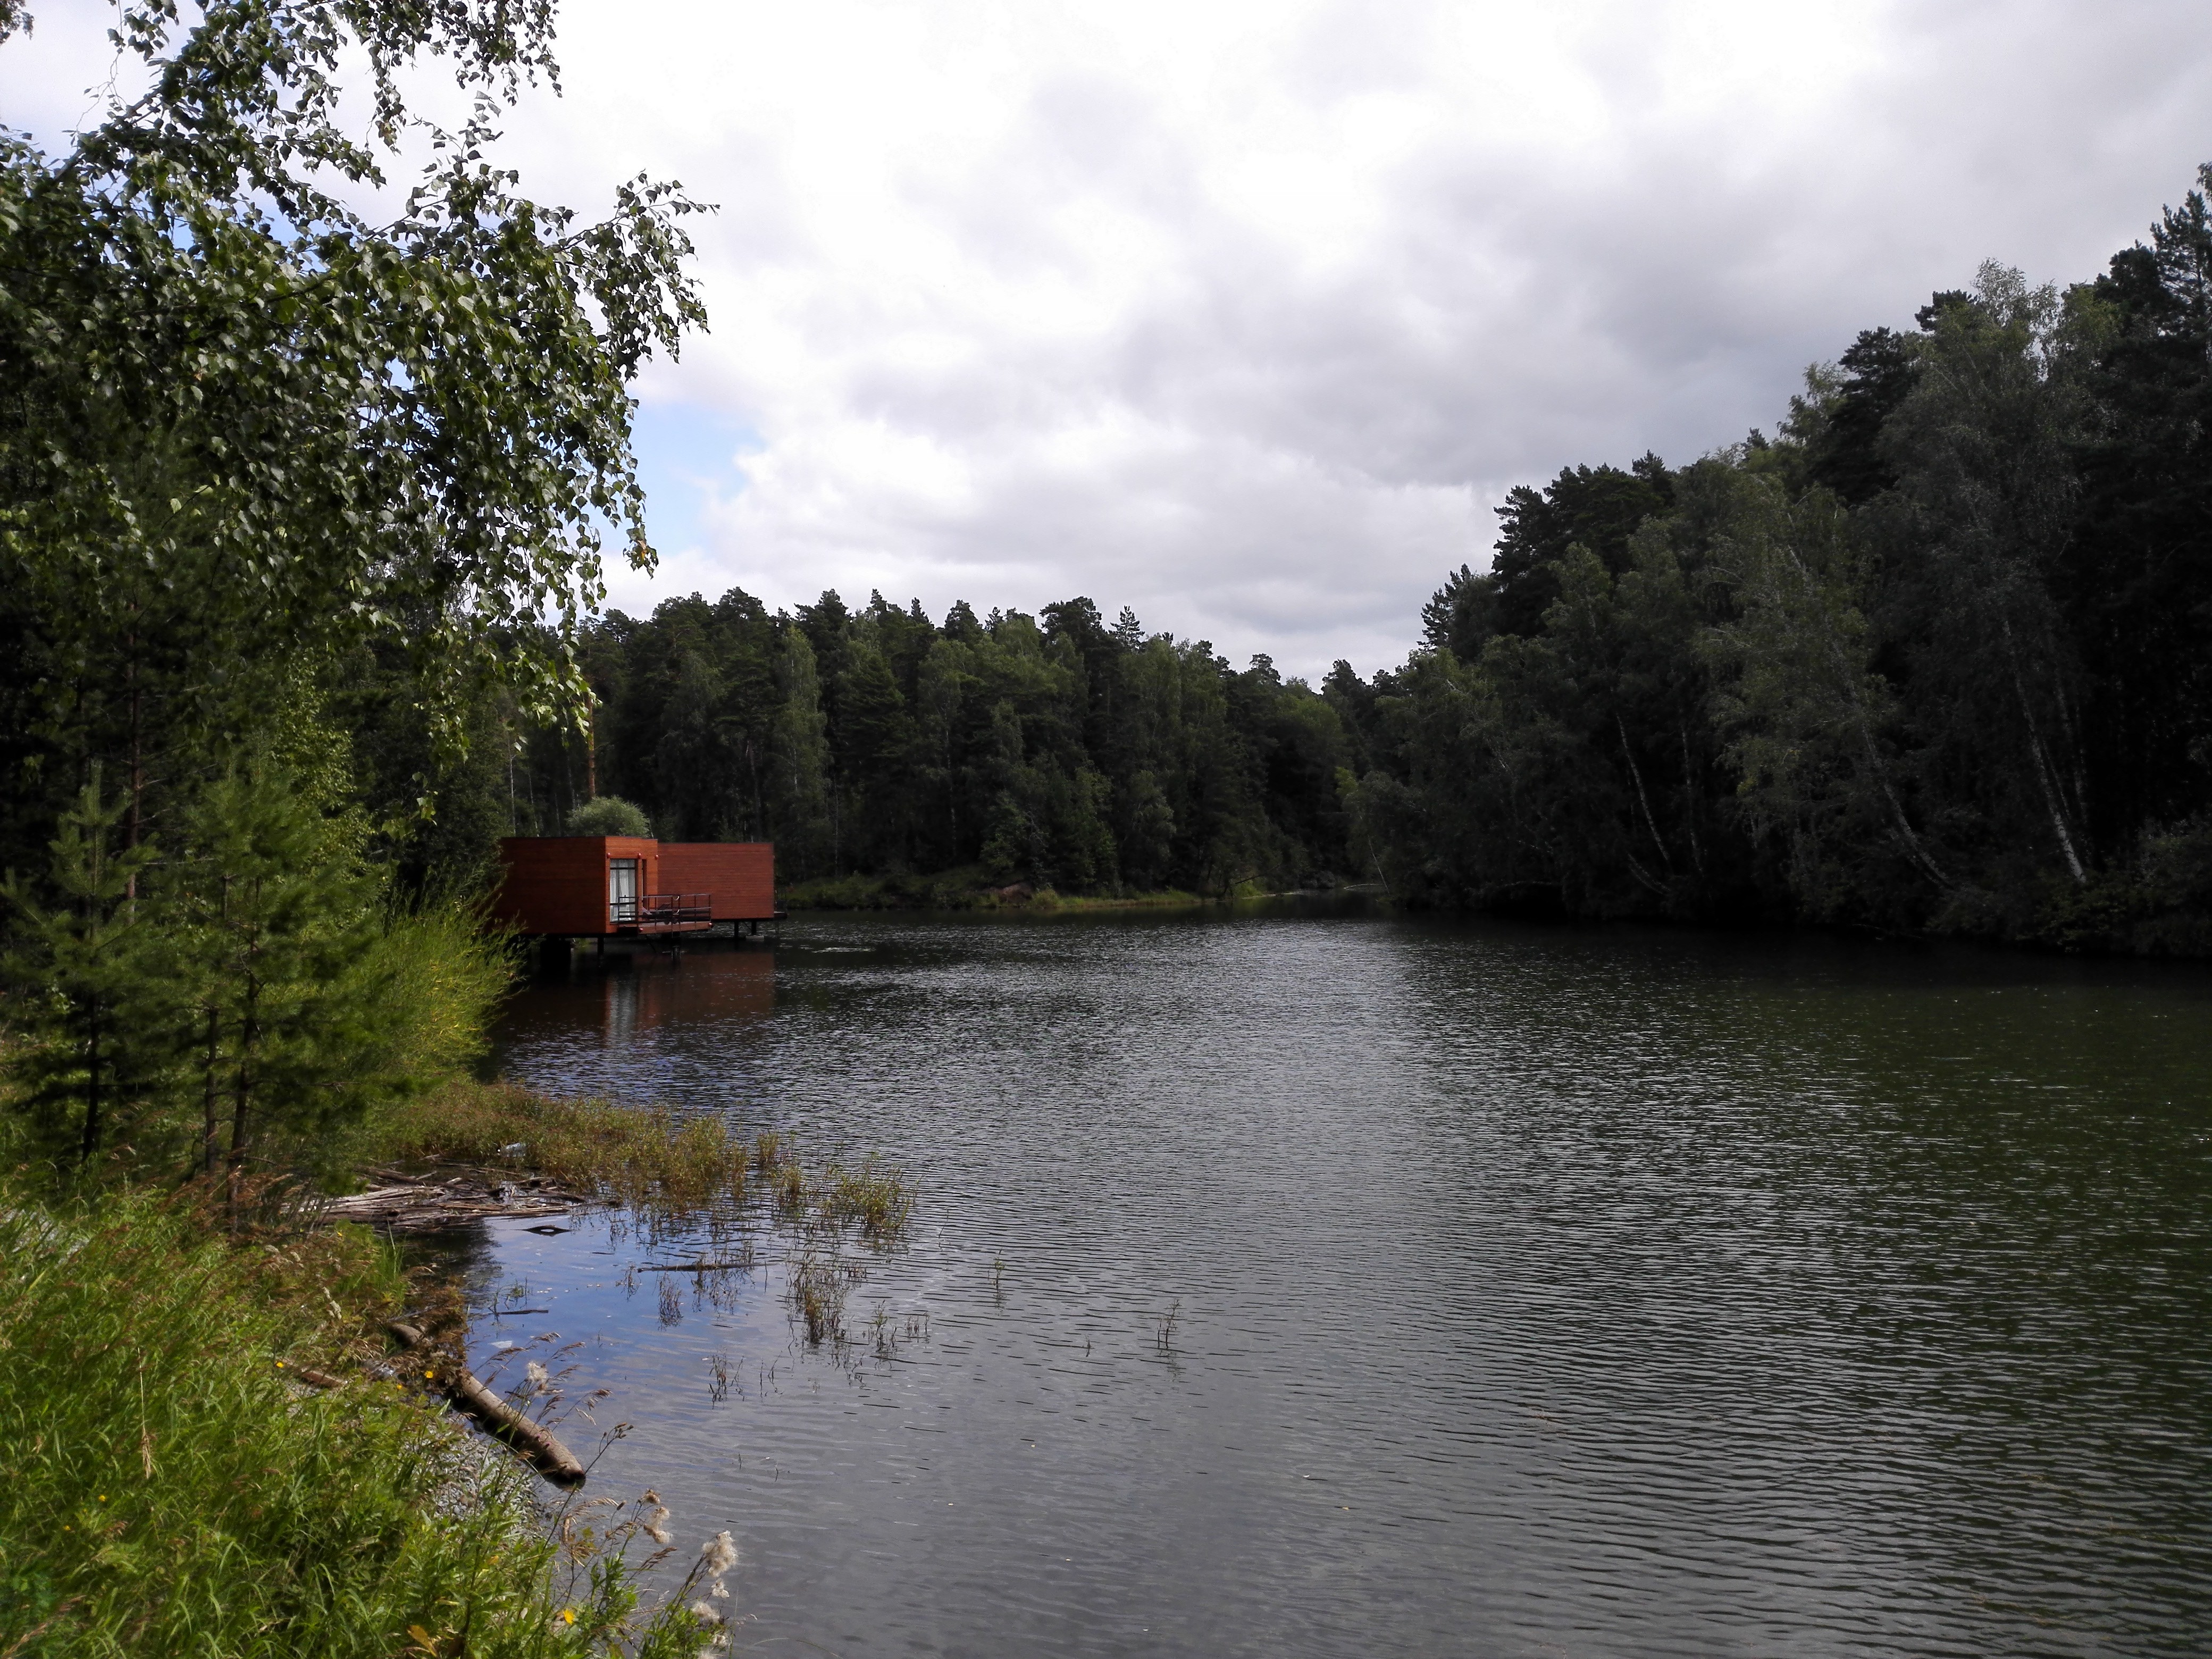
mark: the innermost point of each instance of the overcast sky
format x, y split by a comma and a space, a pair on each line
1245, 315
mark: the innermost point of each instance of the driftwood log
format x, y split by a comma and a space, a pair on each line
425, 1205
540, 1445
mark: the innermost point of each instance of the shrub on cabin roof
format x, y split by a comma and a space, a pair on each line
609, 815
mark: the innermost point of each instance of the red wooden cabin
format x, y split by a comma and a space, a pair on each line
598, 886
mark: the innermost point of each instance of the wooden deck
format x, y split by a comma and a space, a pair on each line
669, 913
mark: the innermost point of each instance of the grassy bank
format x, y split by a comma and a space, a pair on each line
628, 1154
965, 889
168, 1484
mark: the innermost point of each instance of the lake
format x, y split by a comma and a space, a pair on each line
1321, 1283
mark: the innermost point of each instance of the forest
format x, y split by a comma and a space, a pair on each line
1053, 750
1935, 656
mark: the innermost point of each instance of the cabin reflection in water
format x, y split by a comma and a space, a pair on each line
714, 989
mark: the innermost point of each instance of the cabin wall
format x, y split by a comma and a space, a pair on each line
740, 874
558, 884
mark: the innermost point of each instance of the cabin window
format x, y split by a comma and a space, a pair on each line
622, 890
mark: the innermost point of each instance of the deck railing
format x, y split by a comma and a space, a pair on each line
662, 912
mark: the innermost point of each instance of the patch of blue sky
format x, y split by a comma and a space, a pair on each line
688, 457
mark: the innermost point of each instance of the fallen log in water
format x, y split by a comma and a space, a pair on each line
540, 1445
425, 1206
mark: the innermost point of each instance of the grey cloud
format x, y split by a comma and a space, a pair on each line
1280, 443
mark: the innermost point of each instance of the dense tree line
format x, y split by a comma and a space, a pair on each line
1938, 656
1056, 750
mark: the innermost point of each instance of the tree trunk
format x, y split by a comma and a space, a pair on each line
210, 1132
1637, 773
91, 1141
241, 1121
137, 760
2042, 759
1690, 801
539, 1443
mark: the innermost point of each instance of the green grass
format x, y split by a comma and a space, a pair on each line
964, 889
1171, 899
872, 1197
641, 1156
165, 1488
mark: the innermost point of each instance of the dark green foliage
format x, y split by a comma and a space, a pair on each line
1938, 657
296, 1012
97, 973
1054, 750
240, 998
248, 433
1594, 507
1845, 454
2135, 581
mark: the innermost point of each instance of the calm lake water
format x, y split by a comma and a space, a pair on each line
1324, 1285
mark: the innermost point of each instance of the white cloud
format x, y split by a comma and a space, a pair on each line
1243, 314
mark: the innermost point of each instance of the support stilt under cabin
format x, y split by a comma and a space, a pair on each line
603, 887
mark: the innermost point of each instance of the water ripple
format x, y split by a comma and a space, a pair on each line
1533, 1292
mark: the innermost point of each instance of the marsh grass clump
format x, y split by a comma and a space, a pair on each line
649, 1158
671, 1170
703, 1163
788, 1188
874, 1200
818, 1289
677, 1176
171, 1487
874, 1197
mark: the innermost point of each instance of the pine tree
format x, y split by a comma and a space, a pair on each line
95, 973
299, 1010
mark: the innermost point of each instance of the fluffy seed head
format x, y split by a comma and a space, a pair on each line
718, 1554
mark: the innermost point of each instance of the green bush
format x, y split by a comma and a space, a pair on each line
609, 815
